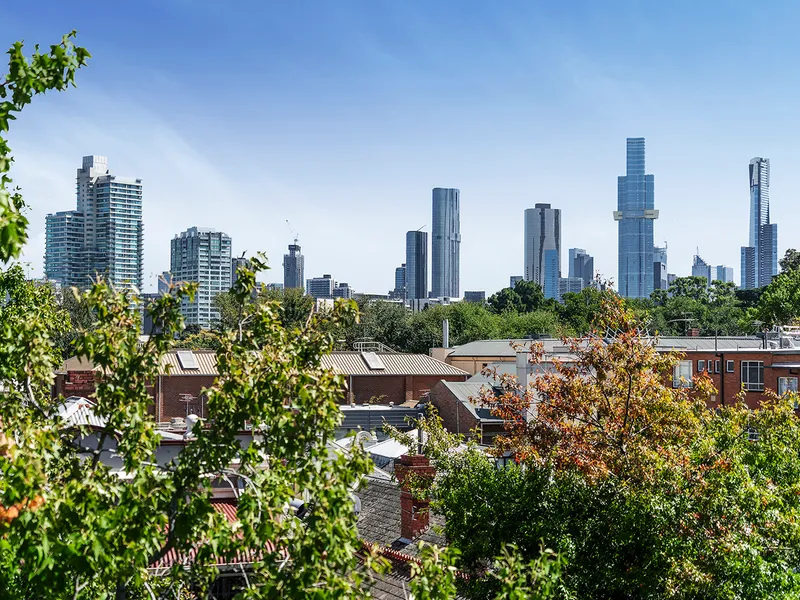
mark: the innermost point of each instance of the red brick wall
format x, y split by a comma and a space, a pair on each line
733, 381
170, 389
396, 388
455, 416
75, 383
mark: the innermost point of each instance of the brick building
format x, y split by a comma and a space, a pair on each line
459, 406
384, 377
184, 375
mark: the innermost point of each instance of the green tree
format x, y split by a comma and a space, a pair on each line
505, 300
779, 303
642, 490
790, 260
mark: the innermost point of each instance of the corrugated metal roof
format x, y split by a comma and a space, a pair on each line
395, 363
77, 411
206, 363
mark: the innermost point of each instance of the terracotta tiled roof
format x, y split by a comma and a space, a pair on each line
228, 509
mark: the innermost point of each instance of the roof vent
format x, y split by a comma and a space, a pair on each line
187, 360
373, 361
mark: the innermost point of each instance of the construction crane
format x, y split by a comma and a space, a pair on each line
293, 232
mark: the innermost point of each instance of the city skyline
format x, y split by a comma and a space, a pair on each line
517, 85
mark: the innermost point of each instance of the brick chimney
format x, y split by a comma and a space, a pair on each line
414, 512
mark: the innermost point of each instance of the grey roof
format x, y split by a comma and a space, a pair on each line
394, 363
468, 393
77, 411
379, 520
508, 347
369, 417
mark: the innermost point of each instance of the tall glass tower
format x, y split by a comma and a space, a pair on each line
445, 243
416, 265
635, 214
760, 256
293, 267
542, 233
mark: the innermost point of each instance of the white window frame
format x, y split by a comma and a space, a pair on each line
785, 385
730, 366
701, 366
744, 367
682, 374
716, 366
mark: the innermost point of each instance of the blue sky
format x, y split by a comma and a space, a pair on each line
340, 116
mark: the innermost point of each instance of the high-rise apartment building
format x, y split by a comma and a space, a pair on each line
321, 287
103, 236
759, 259
542, 233
477, 296
293, 268
445, 243
343, 290
635, 214
202, 256
581, 265
514, 279
416, 265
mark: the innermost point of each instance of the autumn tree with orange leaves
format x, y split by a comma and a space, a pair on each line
644, 491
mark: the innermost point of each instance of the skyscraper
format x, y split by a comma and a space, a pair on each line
701, 268
552, 273
723, 274
321, 287
581, 265
103, 236
445, 243
236, 262
293, 267
542, 233
760, 256
635, 214
202, 256
416, 265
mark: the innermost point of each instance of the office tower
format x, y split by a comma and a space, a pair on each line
64, 260
671, 277
635, 214
321, 287
416, 265
660, 267
723, 274
552, 273
759, 259
701, 268
293, 267
581, 265
569, 285
445, 243
103, 236
342, 290
275, 287
235, 264
514, 279
476, 296
202, 256
542, 233
399, 291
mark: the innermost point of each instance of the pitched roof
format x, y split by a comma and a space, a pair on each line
205, 362
469, 393
388, 363
379, 520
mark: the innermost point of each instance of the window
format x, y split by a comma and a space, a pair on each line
753, 375
682, 374
729, 366
701, 366
716, 366
787, 385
